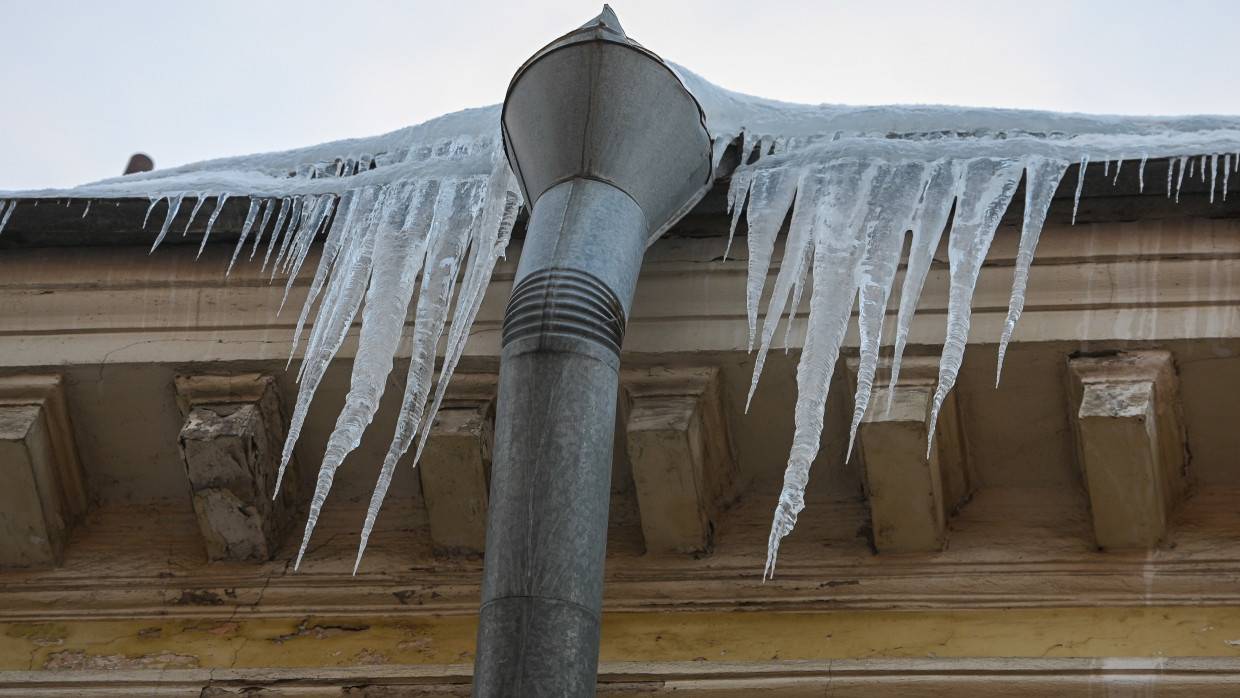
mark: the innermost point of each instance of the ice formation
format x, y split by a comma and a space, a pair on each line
414, 219
857, 179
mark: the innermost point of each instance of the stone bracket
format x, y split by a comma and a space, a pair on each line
44, 491
231, 443
1130, 444
911, 496
684, 471
455, 468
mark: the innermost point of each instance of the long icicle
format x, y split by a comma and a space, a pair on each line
344, 297
219, 206
770, 197
738, 194
883, 231
363, 199
493, 234
262, 226
399, 255
796, 247
250, 214
988, 186
198, 202
174, 205
443, 254
837, 252
1042, 178
929, 223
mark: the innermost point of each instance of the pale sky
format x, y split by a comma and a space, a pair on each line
85, 84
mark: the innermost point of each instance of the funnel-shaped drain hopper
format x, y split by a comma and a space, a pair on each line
595, 104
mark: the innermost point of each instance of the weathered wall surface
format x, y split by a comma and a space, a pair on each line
136, 607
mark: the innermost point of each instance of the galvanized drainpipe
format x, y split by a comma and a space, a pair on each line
610, 149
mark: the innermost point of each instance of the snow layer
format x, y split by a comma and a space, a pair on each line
413, 219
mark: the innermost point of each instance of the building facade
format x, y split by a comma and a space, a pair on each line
1074, 531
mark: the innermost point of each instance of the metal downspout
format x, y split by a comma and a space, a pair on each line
610, 149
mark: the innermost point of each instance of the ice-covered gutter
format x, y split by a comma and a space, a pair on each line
420, 216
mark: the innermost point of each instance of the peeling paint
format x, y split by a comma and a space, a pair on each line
78, 660
319, 631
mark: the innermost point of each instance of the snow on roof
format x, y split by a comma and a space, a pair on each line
437, 200
461, 143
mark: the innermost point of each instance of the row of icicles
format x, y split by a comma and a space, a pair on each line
849, 219
411, 243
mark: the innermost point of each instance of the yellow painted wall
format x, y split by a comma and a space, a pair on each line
669, 637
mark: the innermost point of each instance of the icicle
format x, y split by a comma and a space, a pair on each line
87, 209
1192, 168
770, 196
344, 296
1141, 175
890, 213
1042, 177
1080, 184
6, 213
494, 231
174, 205
795, 305
718, 147
1106, 167
1213, 174
1170, 175
250, 214
1203, 168
398, 258
147, 217
318, 225
747, 146
301, 231
942, 183
194, 212
316, 209
806, 216
988, 188
285, 206
1226, 173
262, 226
738, 192
290, 233
366, 221
219, 206
1179, 183
456, 207
477, 277
837, 252
1119, 164
310, 230
357, 201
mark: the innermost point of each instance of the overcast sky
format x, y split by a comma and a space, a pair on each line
85, 84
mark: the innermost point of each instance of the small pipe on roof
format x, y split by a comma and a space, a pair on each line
139, 162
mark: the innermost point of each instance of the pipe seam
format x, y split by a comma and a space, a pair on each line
566, 302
